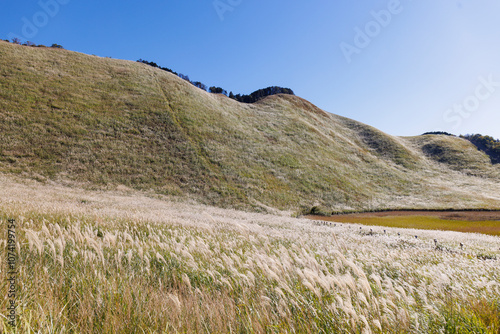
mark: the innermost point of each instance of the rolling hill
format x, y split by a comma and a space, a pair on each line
102, 123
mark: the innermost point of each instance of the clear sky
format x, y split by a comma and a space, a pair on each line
405, 67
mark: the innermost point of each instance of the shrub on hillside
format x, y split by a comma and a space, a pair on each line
217, 90
317, 211
438, 133
262, 93
199, 85
153, 64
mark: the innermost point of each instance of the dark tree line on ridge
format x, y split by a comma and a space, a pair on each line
487, 144
438, 133
17, 41
251, 98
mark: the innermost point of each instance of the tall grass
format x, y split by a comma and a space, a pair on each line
111, 263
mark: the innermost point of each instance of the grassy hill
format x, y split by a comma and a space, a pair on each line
457, 153
103, 123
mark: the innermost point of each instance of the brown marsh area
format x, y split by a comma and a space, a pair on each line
484, 222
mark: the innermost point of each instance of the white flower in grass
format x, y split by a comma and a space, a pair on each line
160, 258
34, 241
175, 301
186, 281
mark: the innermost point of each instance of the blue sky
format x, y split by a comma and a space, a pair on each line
405, 66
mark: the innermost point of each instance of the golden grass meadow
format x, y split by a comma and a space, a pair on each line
129, 262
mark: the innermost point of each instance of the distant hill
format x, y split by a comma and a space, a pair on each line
103, 123
486, 144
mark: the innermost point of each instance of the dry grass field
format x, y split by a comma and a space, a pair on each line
129, 262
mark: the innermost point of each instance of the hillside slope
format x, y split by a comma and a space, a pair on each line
97, 122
